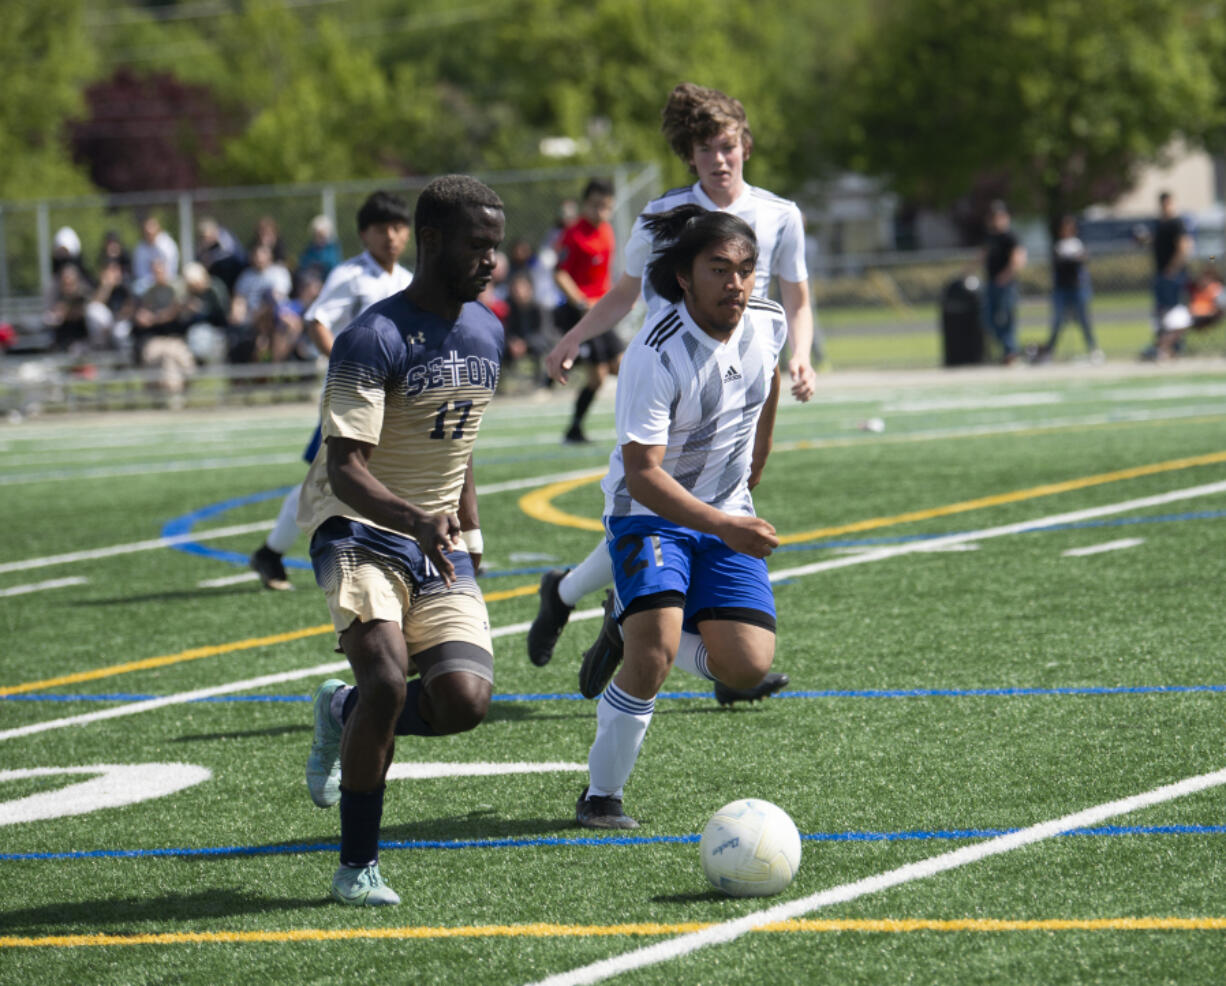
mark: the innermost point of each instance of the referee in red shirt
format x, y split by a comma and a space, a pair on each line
583, 273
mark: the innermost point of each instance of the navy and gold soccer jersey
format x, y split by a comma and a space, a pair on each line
415, 386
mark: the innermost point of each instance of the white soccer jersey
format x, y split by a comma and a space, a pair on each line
352, 287
680, 388
776, 222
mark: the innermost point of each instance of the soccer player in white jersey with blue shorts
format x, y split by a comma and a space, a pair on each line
710, 132
698, 398
353, 286
390, 505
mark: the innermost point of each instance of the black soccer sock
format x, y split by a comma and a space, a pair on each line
582, 403
350, 701
410, 722
361, 814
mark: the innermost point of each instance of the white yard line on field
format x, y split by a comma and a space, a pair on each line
1098, 549
728, 931
21, 590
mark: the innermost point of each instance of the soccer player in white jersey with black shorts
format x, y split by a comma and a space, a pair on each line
353, 286
710, 132
698, 398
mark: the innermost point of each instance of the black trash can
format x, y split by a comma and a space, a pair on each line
961, 322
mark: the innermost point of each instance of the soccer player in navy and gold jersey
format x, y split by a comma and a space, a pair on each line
390, 505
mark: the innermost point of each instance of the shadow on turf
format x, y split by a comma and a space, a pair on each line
92, 916
245, 734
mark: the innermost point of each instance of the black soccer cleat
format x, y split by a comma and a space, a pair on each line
773, 682
602, 658
267, 564
550, 619
602, 813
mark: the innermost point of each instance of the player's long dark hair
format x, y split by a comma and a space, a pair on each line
685, 232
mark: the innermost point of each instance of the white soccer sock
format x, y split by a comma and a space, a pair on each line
285, 531
692, 656
621, 724
594, 572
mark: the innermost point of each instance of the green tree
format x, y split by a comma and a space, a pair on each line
1060, 100
47, 59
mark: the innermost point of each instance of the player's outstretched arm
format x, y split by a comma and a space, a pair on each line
353, 483
601, 317
794, 296
658, 491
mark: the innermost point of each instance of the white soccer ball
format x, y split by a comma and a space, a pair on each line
750, 848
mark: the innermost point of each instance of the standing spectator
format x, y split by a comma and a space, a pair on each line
154, 243
1172, 247
220, 252
584, 276
1070, 289
1004, 257
323, 252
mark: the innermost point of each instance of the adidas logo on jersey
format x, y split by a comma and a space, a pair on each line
731, 374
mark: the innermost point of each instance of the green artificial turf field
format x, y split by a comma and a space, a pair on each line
1003, 609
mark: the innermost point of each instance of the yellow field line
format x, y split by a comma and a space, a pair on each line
194, 654
539, 503
542, 930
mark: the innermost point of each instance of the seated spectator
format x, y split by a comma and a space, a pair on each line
274, 335
113, 250
220, 252
155, 243
65, 309
109, 313
157, 333
1204, 307
66, 249
204, 314
253, 283
307, 285
268, 233
323, 252
527, 327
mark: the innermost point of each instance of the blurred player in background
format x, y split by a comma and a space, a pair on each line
374, 274
698, 397
391, 508
710, 132
584, 275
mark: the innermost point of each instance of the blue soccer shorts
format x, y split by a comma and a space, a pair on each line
652, 556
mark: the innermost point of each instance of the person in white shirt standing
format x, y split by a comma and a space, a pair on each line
695, 409
710, 132
383, 226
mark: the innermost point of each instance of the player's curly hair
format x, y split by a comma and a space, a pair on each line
694, 113
684, 232
445, 198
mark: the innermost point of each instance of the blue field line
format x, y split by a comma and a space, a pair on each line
179, 526
871, 693
537, 842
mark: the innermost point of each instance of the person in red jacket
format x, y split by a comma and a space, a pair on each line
584, 275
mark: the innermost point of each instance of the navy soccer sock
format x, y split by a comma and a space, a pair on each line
410, 722
361, 815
